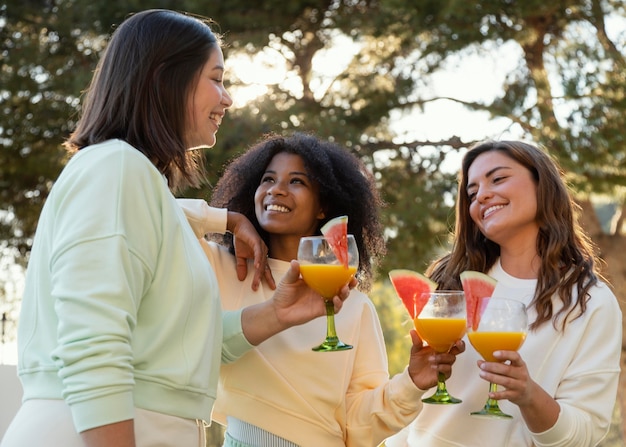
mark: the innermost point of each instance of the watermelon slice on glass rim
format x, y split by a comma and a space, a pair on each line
409, 287
336, 233
476, 285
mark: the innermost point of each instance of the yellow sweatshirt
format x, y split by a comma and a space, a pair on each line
328, 399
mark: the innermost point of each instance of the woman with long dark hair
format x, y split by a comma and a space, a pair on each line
121, 334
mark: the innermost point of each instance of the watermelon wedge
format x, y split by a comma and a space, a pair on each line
476, 285
409, 286
336, 233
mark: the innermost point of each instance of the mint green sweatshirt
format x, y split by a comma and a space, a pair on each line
121, 307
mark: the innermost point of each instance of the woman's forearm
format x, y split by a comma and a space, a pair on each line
118, 434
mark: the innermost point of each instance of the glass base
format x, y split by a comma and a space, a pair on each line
441, 399
491, 410
441, 395
332, 345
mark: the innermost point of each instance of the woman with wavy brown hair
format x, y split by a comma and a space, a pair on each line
516, 221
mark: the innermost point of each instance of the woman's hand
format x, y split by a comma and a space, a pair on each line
539, 410
296, 303
293, 303
425, 363
249, 245
511, 374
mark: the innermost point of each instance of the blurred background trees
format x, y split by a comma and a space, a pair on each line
360, 72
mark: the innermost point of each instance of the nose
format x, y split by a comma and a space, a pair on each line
277, 189
227, 100
483, 194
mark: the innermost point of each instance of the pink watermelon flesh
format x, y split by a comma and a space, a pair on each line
410, 286
336, 233
476, 285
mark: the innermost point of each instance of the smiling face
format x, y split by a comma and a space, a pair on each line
503, 200
207, 103
287, 200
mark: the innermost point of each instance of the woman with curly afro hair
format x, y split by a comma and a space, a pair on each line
281, 393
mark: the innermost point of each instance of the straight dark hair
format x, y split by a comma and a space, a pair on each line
140, 89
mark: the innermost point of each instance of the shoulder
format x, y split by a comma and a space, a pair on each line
601, 305
601, 297
107, 150
113, 158
112, 170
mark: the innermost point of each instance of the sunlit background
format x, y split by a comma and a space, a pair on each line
472, 75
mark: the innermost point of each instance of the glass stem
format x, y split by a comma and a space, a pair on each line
441, 383
492, 403
331, 334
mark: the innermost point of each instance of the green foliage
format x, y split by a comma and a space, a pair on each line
396, 324
50, 49
567, 92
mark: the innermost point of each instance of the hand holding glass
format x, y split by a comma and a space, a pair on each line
442, 322
503, 326
322, 272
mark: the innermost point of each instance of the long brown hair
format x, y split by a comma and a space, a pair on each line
567, 254
140, 88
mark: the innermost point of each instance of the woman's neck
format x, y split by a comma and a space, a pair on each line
283, 248
522, 263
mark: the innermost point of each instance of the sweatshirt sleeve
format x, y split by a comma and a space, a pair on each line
588, 391
204, 218
235, 343
102, 261
376, 406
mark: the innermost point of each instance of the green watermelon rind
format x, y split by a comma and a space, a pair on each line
336, 233
476, 285
409, 286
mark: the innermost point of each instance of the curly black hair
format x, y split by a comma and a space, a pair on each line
346, 187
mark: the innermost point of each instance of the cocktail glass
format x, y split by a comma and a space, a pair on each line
502, 326
442, 322
323, 272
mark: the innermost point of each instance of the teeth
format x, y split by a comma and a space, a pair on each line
215, 117
490, 210
280, 209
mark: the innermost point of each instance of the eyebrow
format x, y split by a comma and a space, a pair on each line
488, 174
269, 171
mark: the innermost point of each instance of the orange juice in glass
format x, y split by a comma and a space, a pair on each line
440, 333
488, 342
324, 273
441, 322
501, 326
326, 279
